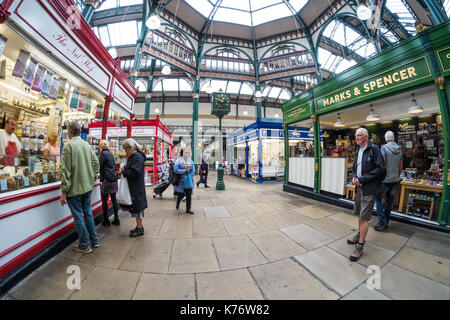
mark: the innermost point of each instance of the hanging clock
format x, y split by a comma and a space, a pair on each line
221, 104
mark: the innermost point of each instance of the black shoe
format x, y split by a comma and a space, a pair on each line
206, 186
190, 211
178, 206
106, 223
381, 227
134, 230
137, 232
116, 222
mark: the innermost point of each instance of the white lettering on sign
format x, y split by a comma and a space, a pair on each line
124, 99
122, 132
74, 52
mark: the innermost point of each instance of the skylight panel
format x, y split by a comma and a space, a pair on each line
140, 85
270, 14
298, 4
184, 85
233, 87
170, 84
284, 95
124, 3
246, 89
123, 33
236, 4
274, 92
447, 7
405, 17
233, 16
344, 65
202, 6
108, 4
104, 36
258, 4
158, 86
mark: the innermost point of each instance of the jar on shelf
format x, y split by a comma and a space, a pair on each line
41, 145
35, 129
33, 146
26, 129
25, 145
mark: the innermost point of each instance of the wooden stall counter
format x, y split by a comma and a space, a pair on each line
405, 186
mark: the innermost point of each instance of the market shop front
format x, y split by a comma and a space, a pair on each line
404, 90
51, 72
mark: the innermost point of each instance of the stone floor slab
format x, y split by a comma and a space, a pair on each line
227, 285
238, 210
425, 264
275, 245
287, 280
364, 293
209, 228
401, 284
151, 226
292, 217
432, 242
193, 255
372, 254
334, 269
330, 227
165, 287
314, 212
267, 221
237, 252
386, 240
107, 284
216, 212
306, 236
240, 225
176, 229
51, 282
148, 255
348, 219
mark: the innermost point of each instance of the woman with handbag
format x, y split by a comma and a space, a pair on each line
134, 172
203, 172
184, 167
108, 178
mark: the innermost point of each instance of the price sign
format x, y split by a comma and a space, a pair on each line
16, 162
3, 185
45, 178
26, 182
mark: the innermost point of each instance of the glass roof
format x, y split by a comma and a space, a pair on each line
247, 12
404, 14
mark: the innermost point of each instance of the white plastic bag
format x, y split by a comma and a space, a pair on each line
123, 195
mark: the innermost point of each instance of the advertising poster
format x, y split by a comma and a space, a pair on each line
74, 99
99, 112
29, 75
82, 102
61, 88
39, 79
21, 62
54, 89
47, 83
88, 104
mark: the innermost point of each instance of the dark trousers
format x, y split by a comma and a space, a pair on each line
203, 179
188, 193
105, 206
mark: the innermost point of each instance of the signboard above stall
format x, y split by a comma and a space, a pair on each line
409, 74
444, 60
121, 132
298, 114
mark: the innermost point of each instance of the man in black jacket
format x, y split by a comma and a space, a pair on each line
108, 177
368, 172
203, 172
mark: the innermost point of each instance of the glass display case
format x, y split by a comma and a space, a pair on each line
253, 159
273, 158
26, 171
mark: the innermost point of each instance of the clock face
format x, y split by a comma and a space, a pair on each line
222, 101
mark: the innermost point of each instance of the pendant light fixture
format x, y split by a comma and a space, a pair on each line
325, 135
363, 12
414, 109
153, 22
157, 110
311, 132
339, 122
245, 113
166, 70
277, 115
258, 94
372, 115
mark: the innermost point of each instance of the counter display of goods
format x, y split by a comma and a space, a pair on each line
30, 171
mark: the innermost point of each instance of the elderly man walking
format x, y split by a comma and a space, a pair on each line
392, 155
368, 172
79, 169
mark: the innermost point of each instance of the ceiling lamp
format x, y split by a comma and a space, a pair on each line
258, 94
113, 52
153, 22
372, 115
325, 135
311, 132
166, 70
276, 115
245, 112
157, 110
339, 122
414, 109
363, 12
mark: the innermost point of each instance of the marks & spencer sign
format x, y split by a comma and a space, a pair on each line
406, 75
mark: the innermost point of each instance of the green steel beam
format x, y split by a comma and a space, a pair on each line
437, 11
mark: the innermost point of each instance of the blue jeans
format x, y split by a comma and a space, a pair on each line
384, 213
81, 206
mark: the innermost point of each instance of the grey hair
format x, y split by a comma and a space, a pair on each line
132, 144
74, 128
103, 144
363, 131
389, 136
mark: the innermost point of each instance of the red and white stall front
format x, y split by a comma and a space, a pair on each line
55, 67
152, 134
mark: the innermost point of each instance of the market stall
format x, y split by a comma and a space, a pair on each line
404, 90
50, 74
152, 134
257, 151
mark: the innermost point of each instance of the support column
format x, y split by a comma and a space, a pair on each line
108, 100
317, 155
286, 153
258, 102
155, 156
89, 9
130, 126
148, 102
139, 45
194, 140
220, 185
437, 12
4, 13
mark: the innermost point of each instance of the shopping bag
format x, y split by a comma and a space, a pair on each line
188, 183
123, 195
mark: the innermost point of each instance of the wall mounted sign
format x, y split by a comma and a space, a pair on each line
409, 74
39, 79
301, 113
21, 62
122, 132
122, 97
444, 60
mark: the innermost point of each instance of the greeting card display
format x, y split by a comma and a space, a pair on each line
47, 83
74, 99
61, 88
54, 89
21, 62
29, 75
88, 104
39, 79
82, 103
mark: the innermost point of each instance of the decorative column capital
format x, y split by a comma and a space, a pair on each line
440, 82
150, 77
4, 13
148, 96
197, 77
133, 73
314, 117
195, 95
93, 3
258, 99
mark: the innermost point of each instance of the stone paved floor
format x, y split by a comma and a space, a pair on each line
247, 242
